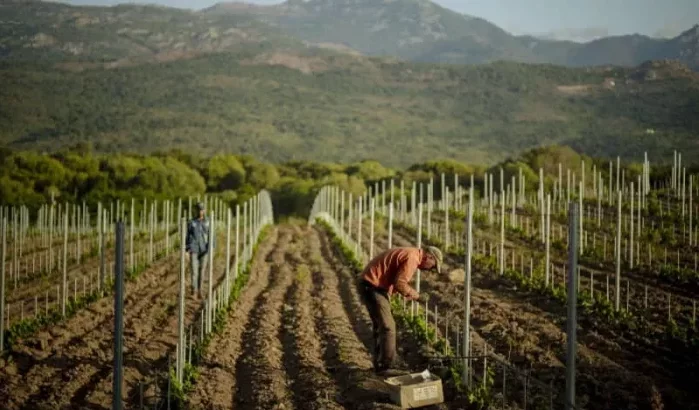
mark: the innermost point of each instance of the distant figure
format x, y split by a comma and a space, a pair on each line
198, 247
391, 271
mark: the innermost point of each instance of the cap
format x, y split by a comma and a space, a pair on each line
200, 206
437, 254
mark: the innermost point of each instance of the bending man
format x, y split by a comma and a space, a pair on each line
389, 272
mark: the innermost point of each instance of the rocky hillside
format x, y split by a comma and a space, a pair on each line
122, 35
284, 105
417, 30
424, 31
405, 28
218, 81
685, 47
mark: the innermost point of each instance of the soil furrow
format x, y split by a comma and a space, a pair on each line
96, 344
608, 375
260, 364
345, 355
41, 358
657, 289
639, 282
312, 386
218, 386
84, 344
310, 308
151, 332
87, 270
536, 335
349, 292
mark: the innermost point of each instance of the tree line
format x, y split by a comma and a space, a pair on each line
79, 174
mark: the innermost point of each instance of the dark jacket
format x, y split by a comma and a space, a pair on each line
198, 236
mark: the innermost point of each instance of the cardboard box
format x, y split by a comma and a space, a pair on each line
416, 390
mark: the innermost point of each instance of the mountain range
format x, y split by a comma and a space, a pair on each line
416, 30
299, 81
421, 30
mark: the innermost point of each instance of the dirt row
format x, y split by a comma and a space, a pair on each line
29, 251
298, 338
260, 364
70, 365
641, 289
87, 243
35, 293
646, 295
638, 279
530, 329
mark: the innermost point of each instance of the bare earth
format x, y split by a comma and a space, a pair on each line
70, 364
297, 338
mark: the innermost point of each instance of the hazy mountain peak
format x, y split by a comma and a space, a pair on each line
405, 28
417, 30
686, 47
122, 35
690, 35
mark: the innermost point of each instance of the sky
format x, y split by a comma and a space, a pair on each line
577, 20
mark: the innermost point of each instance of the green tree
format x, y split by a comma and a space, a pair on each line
294, 196
511, 169
262, 175
448, 167
419, 176
225, 172
38, 172
370, 171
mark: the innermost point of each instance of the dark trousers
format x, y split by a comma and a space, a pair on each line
384, 327
198, 263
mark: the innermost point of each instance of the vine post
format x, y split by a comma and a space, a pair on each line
572, 304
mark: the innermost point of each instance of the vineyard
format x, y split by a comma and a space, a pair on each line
282, 326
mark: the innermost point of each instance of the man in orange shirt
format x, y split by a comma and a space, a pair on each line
390, 272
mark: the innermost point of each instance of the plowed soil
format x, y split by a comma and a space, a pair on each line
529, 329
297, 338
37, 294
70, 365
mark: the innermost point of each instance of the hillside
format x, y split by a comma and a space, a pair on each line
283, 105
141, 78
417, 30
123, 35
424, 31
405, 28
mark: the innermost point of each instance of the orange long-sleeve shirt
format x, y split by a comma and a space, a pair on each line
393, 269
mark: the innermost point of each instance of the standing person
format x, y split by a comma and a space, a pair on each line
389, 272
197, 247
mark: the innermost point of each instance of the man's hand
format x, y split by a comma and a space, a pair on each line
415, 297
